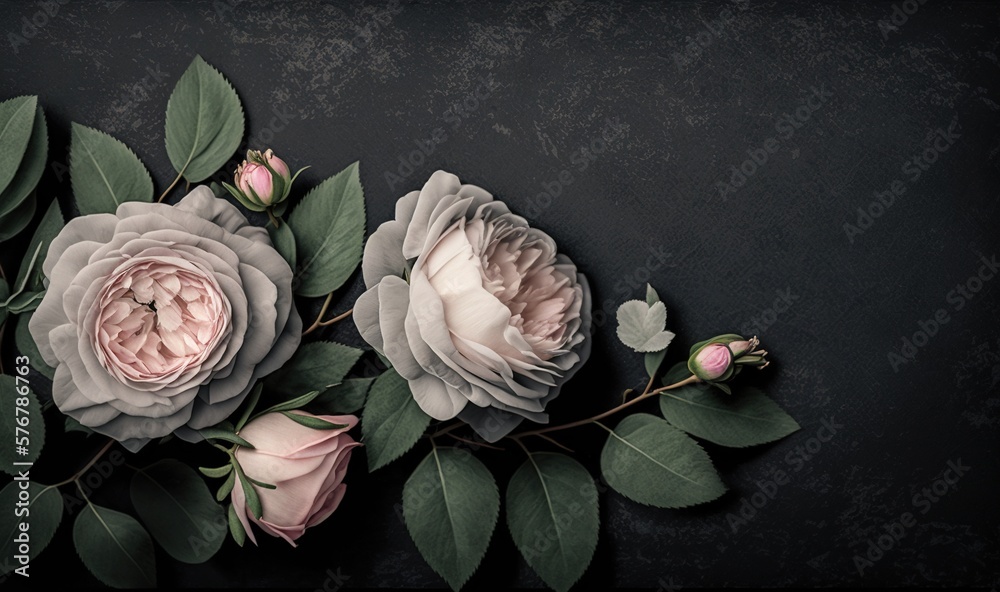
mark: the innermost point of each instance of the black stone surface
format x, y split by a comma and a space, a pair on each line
695, 90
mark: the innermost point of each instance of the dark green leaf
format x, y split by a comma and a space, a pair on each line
26, 346
746, 418
249, 406
329, 229
115, 548
553, 517
450, 506
653, 360
105, 172
177, 507
316, 366
315, 423
31, 167
28, 275
651, 462
17, 118
253, 500
25, 302
347, 397
204, 122
236, 527
284, 242
226, 488
216, 433
45, 507
216, 472
392, 421
19, 219
296, 403
19, 408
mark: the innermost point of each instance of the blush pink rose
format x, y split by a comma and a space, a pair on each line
307, 466
712, 361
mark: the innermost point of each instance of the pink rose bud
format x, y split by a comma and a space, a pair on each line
306, 466
711, 362
263, 180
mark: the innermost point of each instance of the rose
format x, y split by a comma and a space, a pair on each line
711, 362
261, 181
160, 318
306, 466
490, 321
720, 358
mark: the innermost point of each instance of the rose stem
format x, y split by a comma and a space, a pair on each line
319, 322
474, 443
178, 178
646, 395
76, 476
445, 430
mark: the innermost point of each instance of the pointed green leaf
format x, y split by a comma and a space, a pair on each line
28, 275
227, 487
392, 421
651, 462
553, 517
746, 418
204, 122
653, 360
296, 403
177, 507
13, 392
450, 506
26, 346
4, 295
347, 397
226, 435
235, 526
314, 423
45, 509
253, 500
105, 172
284, 242
19, 219
17, 118
249, 406
115, 548
216, 472
316, 366
31, 168
329, 229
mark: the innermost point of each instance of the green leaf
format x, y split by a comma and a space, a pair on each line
253, 500
25, 302
4, 294
105, 172
27, 417
177, 507
236, 527
653, 360
677, 373
216, 472
726, 336
31, 167
553, 517
19, 219
392, 421
347, 397
115, 548
296, 403
72, 425
217, 433
204, 122
747, 418
227, 487
642, 327
450, 506
17, 118
316, 366
30, 275
284, 242
46, 510
315, 423
329, 229
249, 406
649, 461
27, 347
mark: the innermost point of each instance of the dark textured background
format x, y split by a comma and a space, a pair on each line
365, 82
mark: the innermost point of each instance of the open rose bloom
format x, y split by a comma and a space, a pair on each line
160, 318
476, 309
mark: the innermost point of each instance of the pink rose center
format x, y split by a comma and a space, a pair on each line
158, 320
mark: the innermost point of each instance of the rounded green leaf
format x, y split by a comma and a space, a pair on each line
392, 422
30, 169
115, 548
745, 418
42, 514
651, 462
17, 118
553, 517
204, 122
329, 229
450, 506
21, 423
105, 172
179, 510
316, 366
642, 326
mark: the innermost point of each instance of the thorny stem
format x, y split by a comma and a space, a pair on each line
609, 412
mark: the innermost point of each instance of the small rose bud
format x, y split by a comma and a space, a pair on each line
711, 362
262, 181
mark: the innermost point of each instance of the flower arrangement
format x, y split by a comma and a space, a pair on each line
165, 318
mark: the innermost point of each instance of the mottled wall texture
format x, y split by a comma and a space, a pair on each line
823, 175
